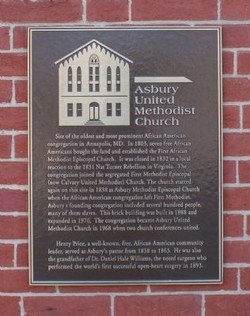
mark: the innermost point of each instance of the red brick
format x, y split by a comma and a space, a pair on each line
13, 227
246, 116
227, 305
231, 117
13, 173
40, 11
229, 171
174, 10
20, 37
243, 62
4, 38
188, 305
10, 306
22, 255
112, 10
15, 281
235, 9
13, 200
21, 146
67, 306
228, 62
237, 251
245, 278
14, 118
21, 91
6, 255
5, 146
13, 64
248, 225
236, 144
237, 198
229, 283
236, 89
5, 91
236, 36
244, 171
233, 225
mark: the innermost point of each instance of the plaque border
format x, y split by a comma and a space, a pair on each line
79, 28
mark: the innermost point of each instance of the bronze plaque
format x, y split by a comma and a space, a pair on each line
125, 155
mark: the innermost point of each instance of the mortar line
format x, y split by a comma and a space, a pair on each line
130, 10
84, 11
219, 10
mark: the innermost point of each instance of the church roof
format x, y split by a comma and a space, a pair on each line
86, 47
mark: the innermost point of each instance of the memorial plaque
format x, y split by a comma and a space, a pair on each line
125, 152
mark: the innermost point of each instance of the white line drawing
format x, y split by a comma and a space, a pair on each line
162, 80
94, 87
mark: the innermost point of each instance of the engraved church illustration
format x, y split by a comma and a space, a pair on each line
94, 87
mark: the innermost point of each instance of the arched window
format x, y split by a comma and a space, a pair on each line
109, 79
78, 109
109, 109
70, 79
118, 79
79, 79
70, 109
118, 109
94, 73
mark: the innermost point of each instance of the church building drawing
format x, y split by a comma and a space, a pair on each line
94, 87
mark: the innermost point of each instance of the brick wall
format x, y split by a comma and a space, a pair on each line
17, 298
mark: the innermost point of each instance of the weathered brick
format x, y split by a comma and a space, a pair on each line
10, 306
5, 91
21, 146
245, 278
6, 255
4, 37
113, 10
5, 146
227, 305
235, 9
233, 225
231, 116
236, 198
13, 227
188, 305
174, 10
13, 173
40, 11
21, 91
17, 281
237, 251
58, 306
20, 37
13, 200
244, 171
13, 64
229, 171
22, 255
228, 62
243, 63
246, 116
236, 36
14, 118
236, 144
248, 225
236, 89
